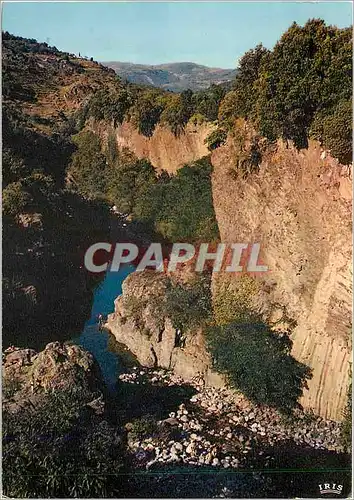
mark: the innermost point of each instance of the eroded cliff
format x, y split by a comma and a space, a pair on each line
165, 150
297, 204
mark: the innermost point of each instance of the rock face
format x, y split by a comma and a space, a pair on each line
298, 206
28, 375
163, 149
153, 341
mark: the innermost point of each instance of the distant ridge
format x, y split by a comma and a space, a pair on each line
172, 76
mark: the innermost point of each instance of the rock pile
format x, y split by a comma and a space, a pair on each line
221, 428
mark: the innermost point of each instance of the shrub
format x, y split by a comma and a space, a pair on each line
15, 199
142, 428
234, 299
189, 305
258, 363
197, 119
216, 139
56, 450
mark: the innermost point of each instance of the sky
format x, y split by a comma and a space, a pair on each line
215, 34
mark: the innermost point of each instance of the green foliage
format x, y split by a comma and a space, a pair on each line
88, 166
9, 387
197, 119
142, 428
177, 112
216, 139
27, 151
109, 104
304, 82
334, 129
234, 299
189, 305
59, 450
181, 206
129, 182
206, 102
14, 199
258, 363
146, 111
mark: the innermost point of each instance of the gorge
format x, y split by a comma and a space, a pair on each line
194, 372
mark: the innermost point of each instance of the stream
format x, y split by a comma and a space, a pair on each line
96, 340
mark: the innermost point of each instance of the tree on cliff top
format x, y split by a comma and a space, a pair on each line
307, 77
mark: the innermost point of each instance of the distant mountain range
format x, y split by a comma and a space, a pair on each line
174, 76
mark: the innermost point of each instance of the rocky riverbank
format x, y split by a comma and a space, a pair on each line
220, 428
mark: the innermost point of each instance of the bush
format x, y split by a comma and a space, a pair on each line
216, 139
15, 199
57, 450
189, 305
142, 428
234, 299
258, 363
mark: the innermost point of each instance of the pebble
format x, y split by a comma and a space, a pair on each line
195, 427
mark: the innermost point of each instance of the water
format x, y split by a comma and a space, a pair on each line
95, 340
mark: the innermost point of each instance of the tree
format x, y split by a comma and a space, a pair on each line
258, 363
88, 167
15, 199
129, 179
146, 112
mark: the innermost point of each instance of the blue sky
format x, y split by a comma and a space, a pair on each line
215, 34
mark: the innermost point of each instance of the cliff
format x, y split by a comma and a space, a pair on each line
165, 150
297, 204
138, 323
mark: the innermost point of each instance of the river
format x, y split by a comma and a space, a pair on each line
96, 340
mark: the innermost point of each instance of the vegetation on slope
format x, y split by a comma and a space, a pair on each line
177, 207
300, 89
42, 274
60, 449
258, 363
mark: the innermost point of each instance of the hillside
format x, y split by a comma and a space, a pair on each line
174, 76
257, 365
